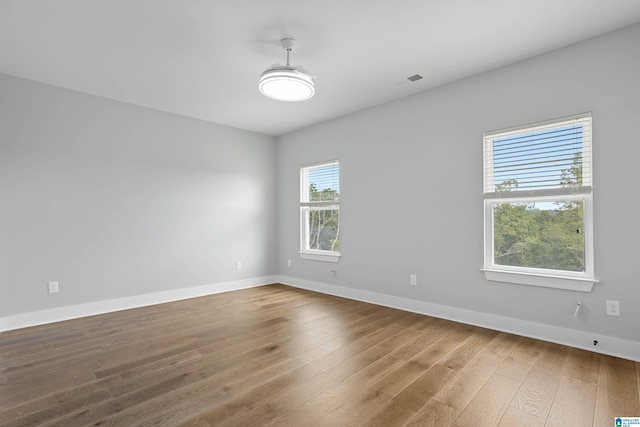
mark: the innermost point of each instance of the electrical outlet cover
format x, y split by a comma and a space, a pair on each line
53, 287
613, 308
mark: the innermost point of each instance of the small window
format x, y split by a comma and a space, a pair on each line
538, 204
320, 212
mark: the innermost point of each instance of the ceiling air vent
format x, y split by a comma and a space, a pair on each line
414, 78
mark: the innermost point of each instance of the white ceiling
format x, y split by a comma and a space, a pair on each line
203, 58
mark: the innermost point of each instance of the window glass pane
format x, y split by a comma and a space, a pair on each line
322, 183
324, 230
549, 158
547, 235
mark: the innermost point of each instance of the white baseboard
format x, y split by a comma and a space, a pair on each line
570, 337
100, 307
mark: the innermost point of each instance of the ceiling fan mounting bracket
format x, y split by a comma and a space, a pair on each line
288, 43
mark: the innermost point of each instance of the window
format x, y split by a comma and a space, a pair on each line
320, 211
537, 204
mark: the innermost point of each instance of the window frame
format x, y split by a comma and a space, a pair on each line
551, 278
307, 206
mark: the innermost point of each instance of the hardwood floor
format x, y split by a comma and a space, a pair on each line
280, 356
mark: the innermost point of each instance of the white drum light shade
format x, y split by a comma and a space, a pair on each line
287, 82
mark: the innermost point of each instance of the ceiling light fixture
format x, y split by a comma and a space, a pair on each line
287, 82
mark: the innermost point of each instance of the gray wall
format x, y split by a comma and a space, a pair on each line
411, 187
114, 200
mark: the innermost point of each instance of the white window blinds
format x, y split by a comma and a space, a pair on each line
320, 184
543, 159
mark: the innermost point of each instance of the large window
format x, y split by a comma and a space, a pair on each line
537, 204
320, 211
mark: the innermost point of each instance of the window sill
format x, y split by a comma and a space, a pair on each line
321, 256
548, 281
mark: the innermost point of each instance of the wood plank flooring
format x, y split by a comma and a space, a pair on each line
280, 356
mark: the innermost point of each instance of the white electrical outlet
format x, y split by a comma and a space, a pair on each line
413, 279
288, 263
238, 265
53, 287
613, 308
